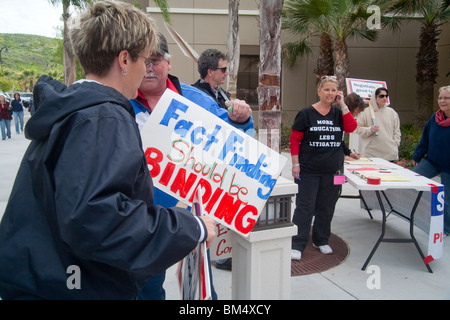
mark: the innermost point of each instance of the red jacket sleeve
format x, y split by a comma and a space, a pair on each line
350, 123
294, 141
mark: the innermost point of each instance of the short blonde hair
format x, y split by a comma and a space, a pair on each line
106, 28
446, 88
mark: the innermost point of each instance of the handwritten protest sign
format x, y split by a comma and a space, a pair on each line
364, 88
221, 247
188, 147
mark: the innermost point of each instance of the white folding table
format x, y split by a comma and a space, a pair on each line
412, 196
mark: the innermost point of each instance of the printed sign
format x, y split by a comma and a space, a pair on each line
364, 88
435, 245
188, 147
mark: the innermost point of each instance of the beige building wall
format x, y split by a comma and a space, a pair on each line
392, 58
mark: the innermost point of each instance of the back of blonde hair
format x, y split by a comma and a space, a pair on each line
106, 28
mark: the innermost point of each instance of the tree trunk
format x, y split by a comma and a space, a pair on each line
68, 55
234, 51
426, 73
341, 64
269, 89
325, 61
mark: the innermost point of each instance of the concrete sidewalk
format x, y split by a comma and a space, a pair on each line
402, 272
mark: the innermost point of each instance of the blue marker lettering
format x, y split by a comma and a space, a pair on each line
171, 112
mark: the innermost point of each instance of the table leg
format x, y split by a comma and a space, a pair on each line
411, 230
383, 229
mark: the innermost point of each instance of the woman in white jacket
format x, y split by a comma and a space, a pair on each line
380, 139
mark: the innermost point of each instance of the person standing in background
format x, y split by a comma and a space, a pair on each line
17, 109
156, 82
383, 139
212, 66
355, 105
317, 156
432, 155
5, 118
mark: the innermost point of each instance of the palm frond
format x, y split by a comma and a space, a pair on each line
165, 9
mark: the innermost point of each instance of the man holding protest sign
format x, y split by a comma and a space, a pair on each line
212, 66
152, 88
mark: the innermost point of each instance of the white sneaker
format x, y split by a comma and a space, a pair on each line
296, 255
325, 249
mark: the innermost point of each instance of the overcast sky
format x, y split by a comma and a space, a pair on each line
30, 17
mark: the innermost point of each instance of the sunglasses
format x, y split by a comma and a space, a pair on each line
383, 96
224, 69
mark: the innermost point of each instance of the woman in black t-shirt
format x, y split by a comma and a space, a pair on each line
317, 158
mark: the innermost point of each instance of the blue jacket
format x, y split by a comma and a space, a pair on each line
434, 145
83, 197
200, 98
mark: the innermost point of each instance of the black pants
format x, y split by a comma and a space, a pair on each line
317, 196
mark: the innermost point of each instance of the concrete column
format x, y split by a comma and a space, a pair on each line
262, 264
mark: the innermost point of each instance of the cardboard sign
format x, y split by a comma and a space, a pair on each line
222, 245
187, 147
364, 88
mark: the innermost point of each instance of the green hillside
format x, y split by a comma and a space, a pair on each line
28, 58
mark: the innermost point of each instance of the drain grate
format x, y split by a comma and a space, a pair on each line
314, 262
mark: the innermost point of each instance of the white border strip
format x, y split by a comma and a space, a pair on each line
203, 11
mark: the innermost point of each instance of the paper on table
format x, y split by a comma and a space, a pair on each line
383, 175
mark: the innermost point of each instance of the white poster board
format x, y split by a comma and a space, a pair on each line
364, 88
187, 147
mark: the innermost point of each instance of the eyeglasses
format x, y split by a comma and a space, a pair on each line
443, 98
382, 96
224, 69
148, 62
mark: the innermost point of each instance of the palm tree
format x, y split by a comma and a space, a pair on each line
165, 9
234, 51
337, 20
269, 92
69, 59
432, 14
298, 20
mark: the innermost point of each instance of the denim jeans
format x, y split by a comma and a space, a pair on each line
6, 128
18, 117
427, 169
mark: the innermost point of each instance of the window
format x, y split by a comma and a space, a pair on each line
247, 82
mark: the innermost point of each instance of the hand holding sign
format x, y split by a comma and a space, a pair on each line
238, 110
210, 228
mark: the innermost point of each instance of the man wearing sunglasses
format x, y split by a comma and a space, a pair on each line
212, 66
